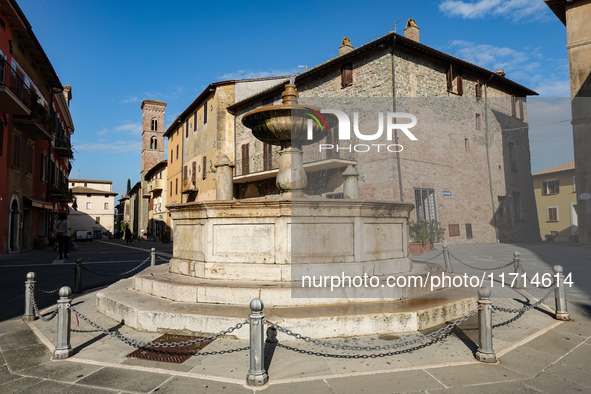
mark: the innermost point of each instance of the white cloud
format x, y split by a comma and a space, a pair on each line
130, 128
489, 56
515, 10
553, 88
252, 74
110, 147
131, 99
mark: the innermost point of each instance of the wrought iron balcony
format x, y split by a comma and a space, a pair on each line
15, 95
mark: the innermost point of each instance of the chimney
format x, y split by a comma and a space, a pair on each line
68, 93
345, 47
412, 30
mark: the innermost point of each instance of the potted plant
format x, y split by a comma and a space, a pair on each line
424, 233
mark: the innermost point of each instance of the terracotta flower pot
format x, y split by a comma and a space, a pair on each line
415, 248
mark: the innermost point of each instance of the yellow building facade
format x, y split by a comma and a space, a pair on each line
556, 199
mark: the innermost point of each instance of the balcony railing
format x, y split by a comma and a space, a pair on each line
15, 95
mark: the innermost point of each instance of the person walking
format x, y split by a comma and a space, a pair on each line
127, 235
62, 230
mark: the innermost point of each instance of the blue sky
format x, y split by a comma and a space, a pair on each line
117, 53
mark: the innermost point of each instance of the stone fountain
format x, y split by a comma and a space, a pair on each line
227, 252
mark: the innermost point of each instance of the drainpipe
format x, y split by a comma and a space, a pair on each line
395, 130
492, 197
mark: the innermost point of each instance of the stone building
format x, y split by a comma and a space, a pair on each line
94, 203
556, 197
470, 167
159, 227
576, 16
35, 129
201, 135
152, 154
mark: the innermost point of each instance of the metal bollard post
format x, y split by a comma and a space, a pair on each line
257, 376
153, 257
560, 294
78, 276
518, 270
63, 349
485, 351
446, 259
29, 311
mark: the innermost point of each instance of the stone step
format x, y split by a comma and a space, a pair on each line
157, 281
145, 312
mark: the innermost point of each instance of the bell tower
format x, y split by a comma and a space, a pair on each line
152, 133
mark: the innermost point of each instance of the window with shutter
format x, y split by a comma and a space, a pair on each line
195, 121
194, 173
204, 172
449, 78
478, 90
454, 230
176, 186
550, 187
245, 160
347, 75
552, 214
454, 81
205, 113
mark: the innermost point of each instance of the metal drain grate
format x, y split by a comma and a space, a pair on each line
176, 355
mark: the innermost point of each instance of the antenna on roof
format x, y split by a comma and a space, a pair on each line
304, 66
395, 23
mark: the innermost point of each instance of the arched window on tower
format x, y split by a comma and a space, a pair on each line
154, 124
153, 143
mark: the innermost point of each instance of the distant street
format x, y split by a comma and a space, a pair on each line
101, 256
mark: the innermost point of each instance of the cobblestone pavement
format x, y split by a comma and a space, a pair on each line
537, 354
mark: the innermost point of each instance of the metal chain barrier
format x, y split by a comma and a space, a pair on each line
434, 257
56, 290
138, 344
527, 307
479, 268
162, 258
36, 308
396, 345
121, 274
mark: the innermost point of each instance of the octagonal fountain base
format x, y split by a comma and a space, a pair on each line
229, 252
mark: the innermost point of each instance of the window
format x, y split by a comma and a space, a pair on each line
106, 206
16, 147
177, 152
551, 186
467, 144
171, 156
245, 160
195, 121
194, 172
425, 204
186, 126
170, 188
176, 186
347, 75
153, 143
517, 206
98, 220
106, 196
517, 107
185, 176
30, 157
468, 230
44, 168
478, 126
204, 175
154, 125
574, 185
267, 157
205, 113
89, 195
454, 230
552, 214
512, 160
478, 90
88, 205
454, 80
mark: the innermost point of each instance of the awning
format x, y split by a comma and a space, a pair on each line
39, 203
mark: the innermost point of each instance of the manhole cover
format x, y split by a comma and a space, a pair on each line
176, 355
